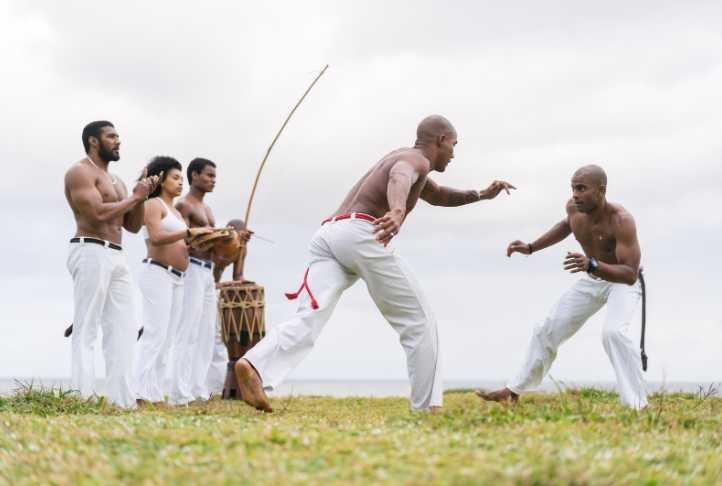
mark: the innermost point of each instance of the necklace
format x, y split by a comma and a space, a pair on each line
112, 179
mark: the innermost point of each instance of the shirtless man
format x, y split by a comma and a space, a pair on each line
608, 236
102, 287
355, 243
199, 301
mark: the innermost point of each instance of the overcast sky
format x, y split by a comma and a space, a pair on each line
535, 89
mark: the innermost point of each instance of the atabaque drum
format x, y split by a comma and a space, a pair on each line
241, 308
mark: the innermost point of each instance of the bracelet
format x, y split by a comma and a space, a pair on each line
531, 250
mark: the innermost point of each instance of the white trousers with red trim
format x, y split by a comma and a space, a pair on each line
577, 305
104, 297
341, 253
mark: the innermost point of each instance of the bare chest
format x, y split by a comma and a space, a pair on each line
597, 239
108, 191
199, 216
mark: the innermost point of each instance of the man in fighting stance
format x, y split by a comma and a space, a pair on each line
355, 243
610, 270
102, 286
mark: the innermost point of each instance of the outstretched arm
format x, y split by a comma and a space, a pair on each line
556, 234
437, 195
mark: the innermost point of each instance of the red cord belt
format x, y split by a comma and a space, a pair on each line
304, 284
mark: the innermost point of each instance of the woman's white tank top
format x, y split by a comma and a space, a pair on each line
170, 222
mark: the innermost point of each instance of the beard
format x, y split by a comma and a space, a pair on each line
107, 154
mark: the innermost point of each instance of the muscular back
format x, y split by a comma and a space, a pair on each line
613, 235
368, 195
85, 187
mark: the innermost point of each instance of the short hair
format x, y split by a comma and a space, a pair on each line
93, 129
197, 165
164, 164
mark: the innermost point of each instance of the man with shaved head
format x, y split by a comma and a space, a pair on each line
610, 270
355, 243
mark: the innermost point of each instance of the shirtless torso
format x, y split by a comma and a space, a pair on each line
599, 238
198, 215
84, 182
369, 194
99, 200
606, 231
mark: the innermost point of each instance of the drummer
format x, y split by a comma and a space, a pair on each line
219, 361
222, 262
161, 284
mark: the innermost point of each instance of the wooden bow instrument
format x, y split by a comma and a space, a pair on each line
270, 147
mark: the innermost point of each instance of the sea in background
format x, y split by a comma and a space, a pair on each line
383, 388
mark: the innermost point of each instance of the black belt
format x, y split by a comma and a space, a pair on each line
97, 241
644, 319
172, 270
202, 263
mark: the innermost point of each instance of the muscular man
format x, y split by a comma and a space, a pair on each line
354, 243
199, 301
608, 236
102, 287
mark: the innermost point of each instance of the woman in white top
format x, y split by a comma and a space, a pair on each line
161, 284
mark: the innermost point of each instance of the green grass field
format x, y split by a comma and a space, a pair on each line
576, 437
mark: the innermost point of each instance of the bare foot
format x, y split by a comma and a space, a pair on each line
503, 395
249, 384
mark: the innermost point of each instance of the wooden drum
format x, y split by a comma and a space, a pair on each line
241, 307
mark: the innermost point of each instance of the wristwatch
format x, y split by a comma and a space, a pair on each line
593, 266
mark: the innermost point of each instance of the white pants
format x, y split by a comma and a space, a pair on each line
103, 296
341, 253
577, 305
162, 306
216, 377
199, 330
